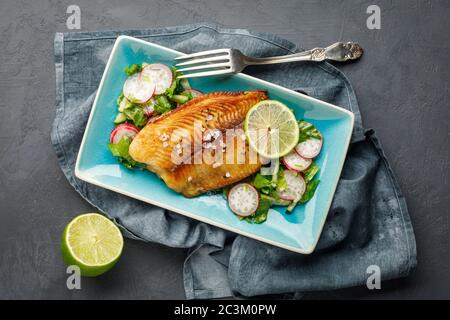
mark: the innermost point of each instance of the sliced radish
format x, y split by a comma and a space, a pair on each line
160, 74
309, 148
149, 107
194, 93
296, 186
138, 88
243, 199
294, 161
123, 130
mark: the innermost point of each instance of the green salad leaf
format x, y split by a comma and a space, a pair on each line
176, 87
162, 104
130, 70
281, 181
309, 173
307, 131
135, 113
261, 213
120, 150
263, 183
171, 90
310, 190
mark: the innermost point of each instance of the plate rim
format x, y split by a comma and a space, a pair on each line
80, 174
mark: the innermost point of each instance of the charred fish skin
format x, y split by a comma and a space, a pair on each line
155, 143
219, 110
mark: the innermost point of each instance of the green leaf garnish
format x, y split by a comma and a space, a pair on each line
130, 70
309, 173
310, 190
261, 213
307, 131
120, 150
162, 104
135, 113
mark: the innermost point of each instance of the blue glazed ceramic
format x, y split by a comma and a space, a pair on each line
298, 231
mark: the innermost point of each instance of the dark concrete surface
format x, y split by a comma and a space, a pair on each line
402, 82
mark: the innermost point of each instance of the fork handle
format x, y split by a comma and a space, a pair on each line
339, 51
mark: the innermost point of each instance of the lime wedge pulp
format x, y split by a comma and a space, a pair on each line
271, 129
93, 243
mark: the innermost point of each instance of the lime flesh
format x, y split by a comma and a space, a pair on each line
271, 129
93, 243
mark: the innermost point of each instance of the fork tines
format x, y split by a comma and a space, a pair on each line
214, 62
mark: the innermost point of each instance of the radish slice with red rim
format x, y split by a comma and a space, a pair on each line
294, 161
296, 186
149, 107
243, 199
309, 148
123, 130
160, 74
138, 89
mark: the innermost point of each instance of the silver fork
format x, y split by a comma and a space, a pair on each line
224, 61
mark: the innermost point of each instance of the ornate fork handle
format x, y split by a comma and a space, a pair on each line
339, 51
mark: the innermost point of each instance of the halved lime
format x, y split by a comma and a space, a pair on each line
271, 129
93, 243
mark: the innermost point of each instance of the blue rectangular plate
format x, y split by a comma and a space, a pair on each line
298, 231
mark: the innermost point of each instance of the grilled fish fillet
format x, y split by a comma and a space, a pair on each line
194, 179
156, 143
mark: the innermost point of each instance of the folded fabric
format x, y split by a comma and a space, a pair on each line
368, 224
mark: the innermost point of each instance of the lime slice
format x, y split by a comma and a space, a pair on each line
93, 243
271, 129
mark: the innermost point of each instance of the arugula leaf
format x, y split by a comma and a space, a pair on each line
162, 104
171, 90
262, 183
130, 70
307, 131
265, 183
261, 213
176, 86
309, 173
120, 150
136, 114
310, 190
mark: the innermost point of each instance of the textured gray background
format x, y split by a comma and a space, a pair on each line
402, 84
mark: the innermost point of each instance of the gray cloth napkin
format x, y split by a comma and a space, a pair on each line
368, 223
